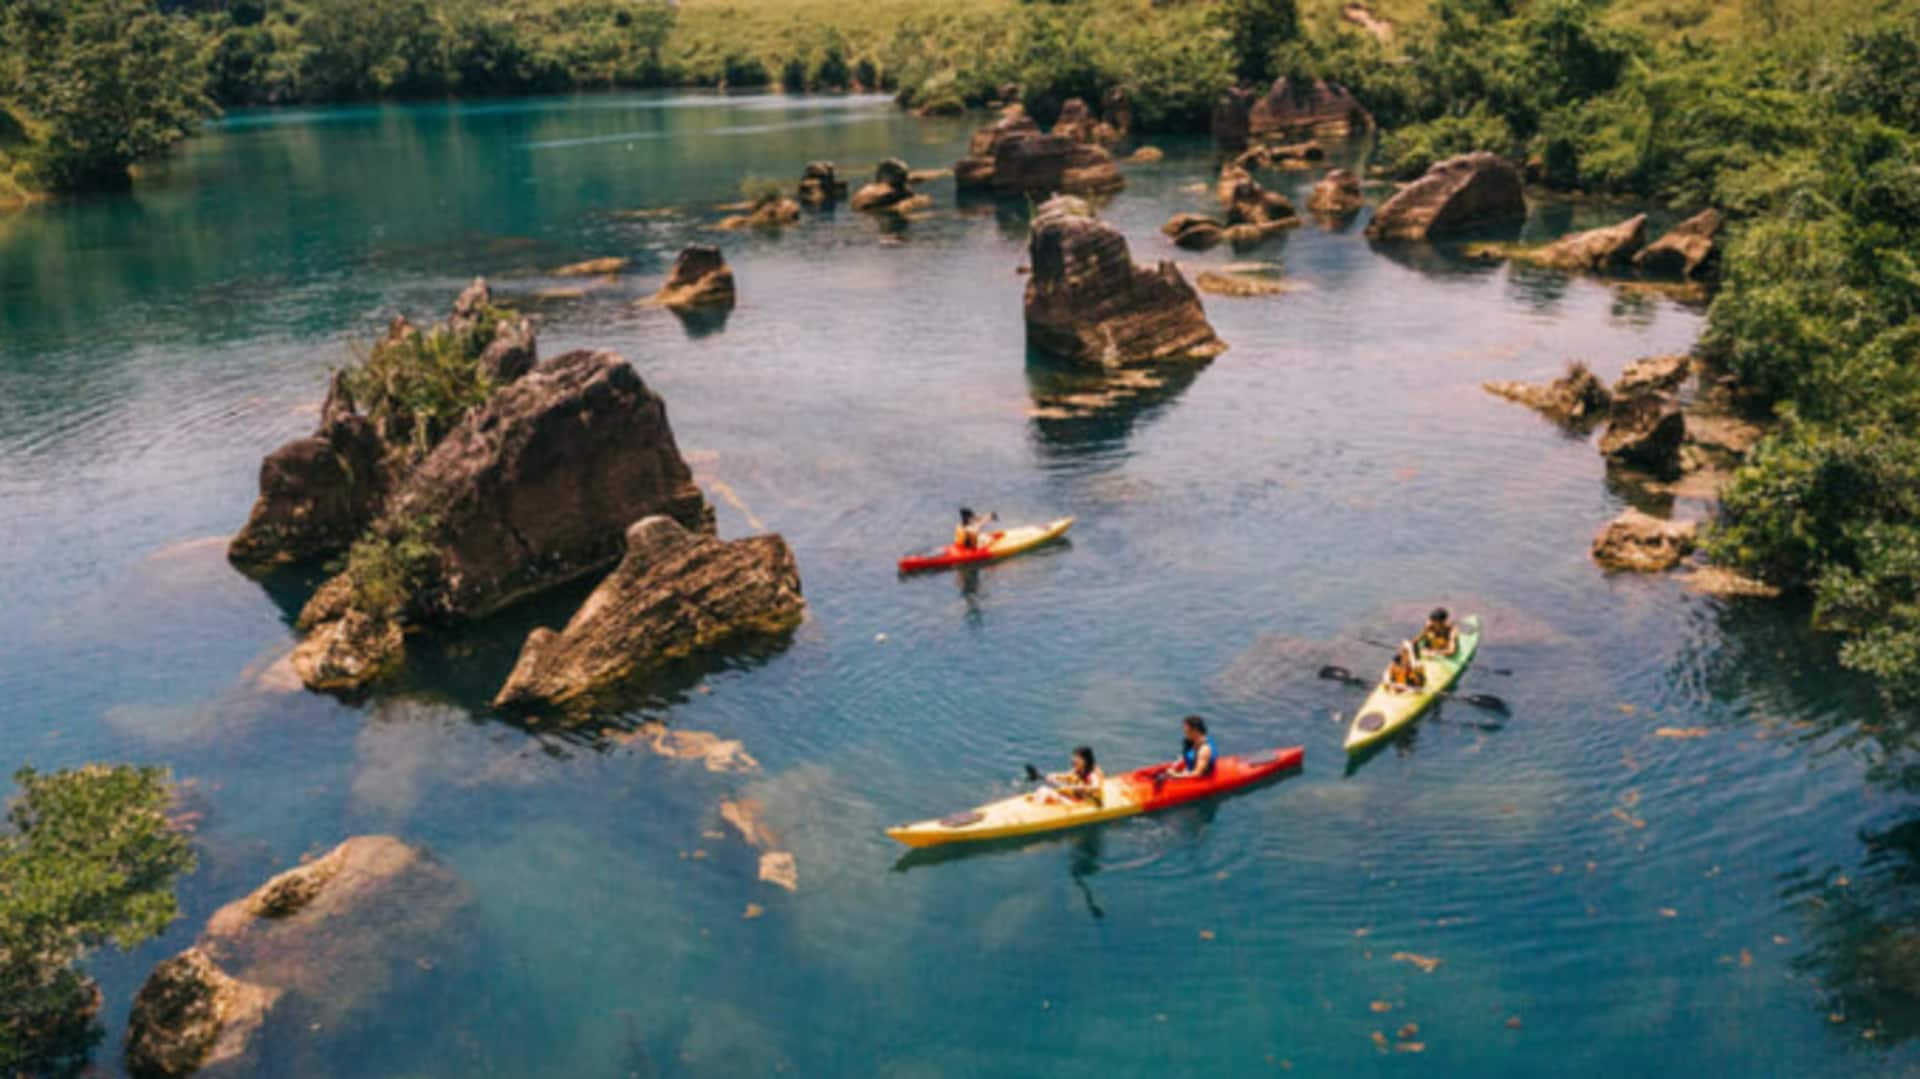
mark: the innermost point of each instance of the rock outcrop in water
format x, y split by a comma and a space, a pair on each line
1088, 302
1645, 434
673, 594
1336, 195
821, 185
1254, 213
1594, 250
1050, 164
1077, 121
320, 492
1688, 250
1292, 108
768, 213
975, 171
1642, 543
336, 936
1459, 193
529, 492
891, 190
1577, 399
1195, 232
1232, 117
700, 280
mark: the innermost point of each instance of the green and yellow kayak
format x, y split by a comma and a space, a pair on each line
1388, 709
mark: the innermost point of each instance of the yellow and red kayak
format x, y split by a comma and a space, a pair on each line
997, 545
1389, 708
1144, 790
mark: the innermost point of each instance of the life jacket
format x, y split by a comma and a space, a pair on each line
1433, 640
1191, 753
963, 537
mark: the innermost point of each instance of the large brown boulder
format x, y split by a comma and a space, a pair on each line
1645, 434
1594, 250
1291, 108
1643, 544
891, 190
1088, 302
1254, 213
700, 279
1459, 193
348, 652
339, 935
1336, 195
316, 493
1652, 374
1195, 232
1687, 250
536, 489
674, 593
1042, 164
1577, 398
821, 185
1014, 120
1077, 122
1232, 119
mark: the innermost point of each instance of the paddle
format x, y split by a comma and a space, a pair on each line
1478, 700
1506, 672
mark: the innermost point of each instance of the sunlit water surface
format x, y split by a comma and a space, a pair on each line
1602, 900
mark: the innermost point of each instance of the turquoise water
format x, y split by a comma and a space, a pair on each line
1602, 900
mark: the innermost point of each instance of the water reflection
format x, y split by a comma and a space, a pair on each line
1079, 414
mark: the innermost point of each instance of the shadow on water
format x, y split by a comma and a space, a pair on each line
1079, 414
703, 321
1864, 936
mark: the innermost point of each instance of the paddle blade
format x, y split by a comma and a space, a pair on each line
1338, 674
1033, 774
1486, 700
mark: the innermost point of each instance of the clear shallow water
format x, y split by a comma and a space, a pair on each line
1639, 903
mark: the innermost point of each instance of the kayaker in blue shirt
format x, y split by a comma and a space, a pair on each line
1196, 758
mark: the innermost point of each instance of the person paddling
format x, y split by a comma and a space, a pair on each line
967, 535
1196, 753
1083, 781
1439, 637
1404, 673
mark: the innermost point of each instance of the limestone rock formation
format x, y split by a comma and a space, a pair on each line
700, 279
1336, 195
1043, 164
348, 652
975, 171
1291, 108
1642, 543
1232, 119
674, 593
512, 352
1146, 155
1254, 213
1294, 156
1240, 285
1087, 301
1688, 250
1645, 433
1652, 374
1593, 250
769, 214
891, 190
821, 185
338, 934
1195, 232
1116, 112
1459, 193
1077, 122
1577, 398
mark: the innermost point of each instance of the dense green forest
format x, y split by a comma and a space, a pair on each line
1798, 121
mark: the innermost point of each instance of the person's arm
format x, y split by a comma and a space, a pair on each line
1203, 760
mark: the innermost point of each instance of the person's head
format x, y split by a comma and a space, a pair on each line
1438, 616
1083, 760
966, 516
1404, 654
1196, 728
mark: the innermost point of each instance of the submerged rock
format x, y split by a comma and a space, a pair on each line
1087, 301
1042, 164
674, 593
1642, 543
1254, 213
1645, 433
1147, 155
1577, 398
1688, 250
769, 214
1318, 107
1459, 193
1336, 195
1240, 285
700, 278
1594, 250
599, 267
338, 934
821, 185
1195, 232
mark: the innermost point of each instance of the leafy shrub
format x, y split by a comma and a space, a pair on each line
416, 386
388, 566
1408, 151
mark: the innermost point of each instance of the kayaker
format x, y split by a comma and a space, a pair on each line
1439, 638
1196, 756
1405, 673
967, 535
1083, 781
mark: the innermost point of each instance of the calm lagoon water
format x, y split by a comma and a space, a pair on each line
1602, 900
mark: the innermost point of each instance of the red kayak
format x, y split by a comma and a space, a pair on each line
1143, 790
993, 545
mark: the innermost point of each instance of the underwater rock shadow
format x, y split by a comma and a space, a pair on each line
1080, 414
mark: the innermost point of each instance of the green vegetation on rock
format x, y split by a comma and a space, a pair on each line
87, 858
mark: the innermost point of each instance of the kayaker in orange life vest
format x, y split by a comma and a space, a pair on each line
1083, 781
1196, 757
1404, 673
1438, 638
967, 535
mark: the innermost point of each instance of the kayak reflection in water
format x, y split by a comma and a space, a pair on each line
967, 535
1196, 752
1404, 674
1083, 781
